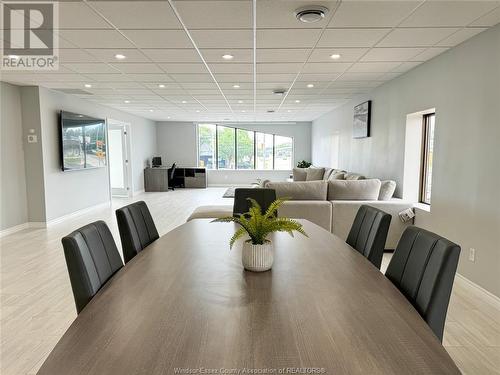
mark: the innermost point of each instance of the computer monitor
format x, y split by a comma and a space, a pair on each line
156, 162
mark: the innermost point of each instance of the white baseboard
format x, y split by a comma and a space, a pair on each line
495, 298
78, 213
14, 229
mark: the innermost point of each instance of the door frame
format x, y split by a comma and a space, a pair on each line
116, 124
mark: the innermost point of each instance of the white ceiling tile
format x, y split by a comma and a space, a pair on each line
108, 55
138, 14
148, 77
181, 78
373, 67
346, 54
280, 14
200, 85
184, 68
235, 14
317, 77
429, 53
278, 68
281, 38
351, 37
413, 37
231, 68
77, 15
331, 67
448, 13
372, 13
275, 77
95, 38
490, 19
159, 38
275, 55
224, 77
460, 37
137, 68
392, 54
404, 67
184, 55
74, 55
223, 38
91, 68
361, 76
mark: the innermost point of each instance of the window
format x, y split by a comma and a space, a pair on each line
226, 142
223, 147
206, 145
283, 152
264, 151
245, 149
427, 157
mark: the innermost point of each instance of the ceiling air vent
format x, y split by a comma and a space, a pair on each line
311, 14
74, 91
279, 92
270, 111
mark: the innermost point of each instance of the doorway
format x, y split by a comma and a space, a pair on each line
119, 156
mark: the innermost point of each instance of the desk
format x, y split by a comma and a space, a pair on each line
158, 179
185, 302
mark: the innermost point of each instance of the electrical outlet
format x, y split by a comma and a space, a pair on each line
472, 254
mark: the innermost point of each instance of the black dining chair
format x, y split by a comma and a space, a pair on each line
171, 177
137, 228
92, 259
369, 233
423, 268
263, 196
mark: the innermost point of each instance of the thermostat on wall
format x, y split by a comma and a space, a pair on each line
32, 138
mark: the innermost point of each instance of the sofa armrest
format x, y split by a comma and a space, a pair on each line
344, 212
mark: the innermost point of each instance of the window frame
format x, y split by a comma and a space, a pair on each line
426, 124
235, 129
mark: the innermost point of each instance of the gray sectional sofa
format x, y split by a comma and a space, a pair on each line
331, 202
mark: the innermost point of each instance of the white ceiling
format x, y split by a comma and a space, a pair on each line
180, 43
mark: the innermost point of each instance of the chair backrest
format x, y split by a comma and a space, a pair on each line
172, 172
423, 268
242, 205
369, 233
137, 228
92, 258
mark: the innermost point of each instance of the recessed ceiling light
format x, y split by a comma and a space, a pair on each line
197, 111
151, 110
161, 86
335, 56
310, 85
236, 86
243, 111
168, 117
289, 111
240, 101
183, 102
88, 85
311, 14
297, 101
119, 56
227, 57
15, 57
126, 101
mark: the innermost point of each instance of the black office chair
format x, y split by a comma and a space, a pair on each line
369, 233
92, 258
423, 268
242, 205
137, 228
171, 177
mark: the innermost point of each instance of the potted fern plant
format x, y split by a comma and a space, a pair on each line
257, 254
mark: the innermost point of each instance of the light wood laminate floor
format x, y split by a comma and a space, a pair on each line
37, 304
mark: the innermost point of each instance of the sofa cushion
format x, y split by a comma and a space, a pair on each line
314, 174
353, 190
317, 212
387, 189
211, 212
302, 190
328, 172
299, 174
337, 175
354, 176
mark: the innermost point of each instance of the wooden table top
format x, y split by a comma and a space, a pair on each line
185, 305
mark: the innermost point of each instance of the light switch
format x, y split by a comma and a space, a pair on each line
32, 138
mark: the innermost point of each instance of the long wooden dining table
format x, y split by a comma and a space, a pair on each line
185, 305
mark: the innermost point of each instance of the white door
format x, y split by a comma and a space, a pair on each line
118, 160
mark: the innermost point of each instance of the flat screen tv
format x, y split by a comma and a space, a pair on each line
83, 141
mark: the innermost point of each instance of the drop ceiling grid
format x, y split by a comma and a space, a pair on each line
262, 61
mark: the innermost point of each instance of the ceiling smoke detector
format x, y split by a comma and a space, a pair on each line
311, 14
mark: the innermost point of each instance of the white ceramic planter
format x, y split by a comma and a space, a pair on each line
257, 258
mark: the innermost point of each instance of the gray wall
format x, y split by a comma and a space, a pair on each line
177, 142
67, 192
463, 85
13, 192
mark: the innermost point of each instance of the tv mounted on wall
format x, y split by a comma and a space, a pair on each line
82, 141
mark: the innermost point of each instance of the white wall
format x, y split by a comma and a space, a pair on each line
67, 192
177, 142
13, 180
463, 85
